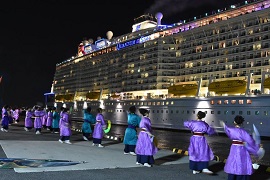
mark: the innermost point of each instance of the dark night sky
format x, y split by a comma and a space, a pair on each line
36, 34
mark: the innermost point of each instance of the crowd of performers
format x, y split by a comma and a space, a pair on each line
9, 116
140, 141
50, 119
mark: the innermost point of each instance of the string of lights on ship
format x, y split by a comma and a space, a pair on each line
103, 46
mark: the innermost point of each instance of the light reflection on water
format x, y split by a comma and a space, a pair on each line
220, 144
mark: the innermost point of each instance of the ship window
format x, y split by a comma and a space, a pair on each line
149, 103
177, 111
249, 101
187, 111
212, 112
240, 112
226, 112
212, 102
233, 101
193, 112
257, 112
172, 102
167, 103
158, 103
171, 111
241, 102
248, 113
226, 102
157, 111
219, 102
167, 111
218, 112
183, 112
161, 111
233, 112
265, 113
162, 103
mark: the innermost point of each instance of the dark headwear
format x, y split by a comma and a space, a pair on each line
201, 114
143, 111
88, 109
238, 120
132, 109
99, 110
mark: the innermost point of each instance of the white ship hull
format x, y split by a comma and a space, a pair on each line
171, 113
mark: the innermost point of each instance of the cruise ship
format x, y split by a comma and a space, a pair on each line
217, 63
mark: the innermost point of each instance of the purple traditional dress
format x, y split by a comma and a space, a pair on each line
28, 120
65, 128
5, 119
49, 120
38, 114
98, 129
238, 163
44, 119
199, 151
16, 114
145, 148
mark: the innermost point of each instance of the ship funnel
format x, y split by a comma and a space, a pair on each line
159, 16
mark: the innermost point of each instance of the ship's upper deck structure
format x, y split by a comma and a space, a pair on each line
230, 43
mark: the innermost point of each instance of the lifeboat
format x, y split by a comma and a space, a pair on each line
115, 96
228, 87
183, 90
266, 83
93, 95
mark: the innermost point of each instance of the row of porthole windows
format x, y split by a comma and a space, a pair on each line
194, 112
212, 102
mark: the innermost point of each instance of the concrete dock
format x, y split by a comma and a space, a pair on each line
93, 162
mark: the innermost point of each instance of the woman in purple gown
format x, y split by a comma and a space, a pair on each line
98, 129
145, 148
238, 164
38, 114
5, 118
65, 127
199, 151
28, 124
49, 119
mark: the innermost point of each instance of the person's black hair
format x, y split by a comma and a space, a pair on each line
99, 110
132, 109
88, 109
238, 120
201, 114
143, 111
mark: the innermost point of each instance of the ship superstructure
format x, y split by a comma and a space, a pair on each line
228, 45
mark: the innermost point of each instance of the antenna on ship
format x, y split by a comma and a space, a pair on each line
159, 16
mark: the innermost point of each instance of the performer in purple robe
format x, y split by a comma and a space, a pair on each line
16, 114
28, 124
65, 127
98, 129
49, 119
199, 151
5, 118
38, 114
239, 164
145, 148
44, 118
